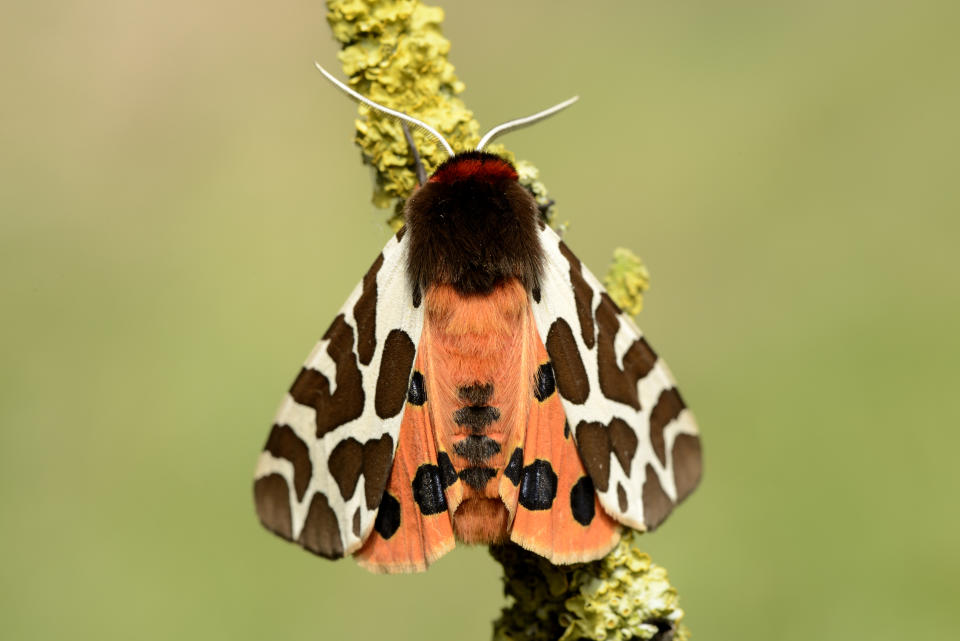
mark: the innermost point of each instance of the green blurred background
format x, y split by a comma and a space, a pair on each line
182, 212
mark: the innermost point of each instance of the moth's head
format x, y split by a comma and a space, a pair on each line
472, 225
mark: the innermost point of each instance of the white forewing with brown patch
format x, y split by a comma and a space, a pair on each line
321, 476
636, 438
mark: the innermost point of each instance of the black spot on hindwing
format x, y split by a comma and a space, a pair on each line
417, 394
538, 487
448, 474
582, 502
514, 468
545, 383
388, 516
428, 490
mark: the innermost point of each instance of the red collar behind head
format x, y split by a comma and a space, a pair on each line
474, 165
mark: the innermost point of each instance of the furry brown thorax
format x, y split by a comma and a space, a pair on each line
472, 225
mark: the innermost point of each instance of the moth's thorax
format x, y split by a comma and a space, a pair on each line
473, 226
474, 165
480, 395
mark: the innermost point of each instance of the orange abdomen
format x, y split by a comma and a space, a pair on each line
478, 362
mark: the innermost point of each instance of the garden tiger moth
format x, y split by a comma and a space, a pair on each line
478, 385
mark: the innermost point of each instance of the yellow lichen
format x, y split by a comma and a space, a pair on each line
622, 596
394, 53
627, 280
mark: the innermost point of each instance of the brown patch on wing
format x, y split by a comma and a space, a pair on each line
284, 443
349, 459
620, 384
311, 388
365, 313
622, 498
345, 464
668, 407
656, 504
623, 441
687, 464
377, 458
567, 364
593, 443
596, 442
321, 533
394, 378
583, 296
356, 523
272, 498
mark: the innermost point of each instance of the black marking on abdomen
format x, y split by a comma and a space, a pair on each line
545, 384
538, 487
476, 449
475, 394
428, 490
477, 477
388, 516
515, 467
582, 501
417, 394
476, 418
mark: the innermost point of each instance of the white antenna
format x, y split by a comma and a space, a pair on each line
522, 122
396, 114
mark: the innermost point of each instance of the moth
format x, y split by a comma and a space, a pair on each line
479, 385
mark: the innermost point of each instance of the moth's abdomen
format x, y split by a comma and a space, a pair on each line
478, 366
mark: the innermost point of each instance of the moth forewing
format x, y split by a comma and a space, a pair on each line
337, 427
625, 413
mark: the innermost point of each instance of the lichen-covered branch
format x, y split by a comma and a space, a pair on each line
394, 53
622, 596
627, 280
